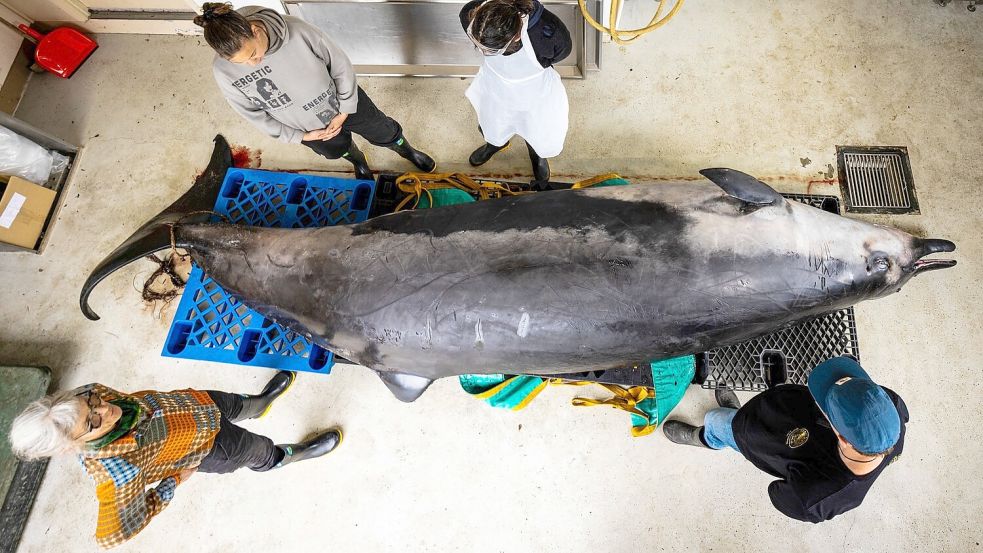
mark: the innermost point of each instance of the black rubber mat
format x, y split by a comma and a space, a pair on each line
19, 481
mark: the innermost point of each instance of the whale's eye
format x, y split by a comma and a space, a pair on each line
880, 264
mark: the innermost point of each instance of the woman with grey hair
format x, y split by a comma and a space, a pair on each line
45, 427
130, 441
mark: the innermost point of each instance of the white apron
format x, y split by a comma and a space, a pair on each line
516, 95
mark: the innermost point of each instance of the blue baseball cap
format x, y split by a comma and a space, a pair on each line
859, 409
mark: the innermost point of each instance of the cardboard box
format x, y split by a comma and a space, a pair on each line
24, 208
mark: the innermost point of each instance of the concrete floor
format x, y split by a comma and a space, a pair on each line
754, 86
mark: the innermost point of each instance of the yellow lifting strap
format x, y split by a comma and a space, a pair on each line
594, 180
418, 184
624, 399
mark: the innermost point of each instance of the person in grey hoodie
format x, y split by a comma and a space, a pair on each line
288, 79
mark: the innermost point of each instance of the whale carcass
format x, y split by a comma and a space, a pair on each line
545, 283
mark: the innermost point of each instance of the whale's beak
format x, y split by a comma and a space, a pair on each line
928, 247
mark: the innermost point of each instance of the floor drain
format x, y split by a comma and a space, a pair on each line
876, 179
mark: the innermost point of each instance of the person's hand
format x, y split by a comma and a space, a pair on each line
185, 474
334, 127
315, 135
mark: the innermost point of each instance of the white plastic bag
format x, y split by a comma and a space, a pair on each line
23, 158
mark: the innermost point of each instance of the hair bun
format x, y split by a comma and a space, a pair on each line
211, 11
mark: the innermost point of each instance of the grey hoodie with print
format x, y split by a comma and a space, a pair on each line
303, 81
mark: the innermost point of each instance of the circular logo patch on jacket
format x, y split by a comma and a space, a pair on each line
797, 437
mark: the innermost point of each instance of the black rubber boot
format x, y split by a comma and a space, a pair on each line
422, 161
682, 433
726, 398
317, 446
540, 166
485, 152
357, 158
254, 407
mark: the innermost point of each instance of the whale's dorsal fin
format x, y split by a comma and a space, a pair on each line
406, 387
744, 187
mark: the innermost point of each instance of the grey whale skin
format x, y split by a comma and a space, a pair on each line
545, 283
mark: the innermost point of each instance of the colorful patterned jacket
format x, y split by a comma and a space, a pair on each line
176, 431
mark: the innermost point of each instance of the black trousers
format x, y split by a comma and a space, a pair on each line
235, 447
368, 122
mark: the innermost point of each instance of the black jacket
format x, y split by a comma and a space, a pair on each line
550, 37
783, 432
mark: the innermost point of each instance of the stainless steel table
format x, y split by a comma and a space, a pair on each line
424, 37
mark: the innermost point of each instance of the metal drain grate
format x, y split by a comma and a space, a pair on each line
876, 179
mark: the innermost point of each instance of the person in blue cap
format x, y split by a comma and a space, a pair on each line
826, 442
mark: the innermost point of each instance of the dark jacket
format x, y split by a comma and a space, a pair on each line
550, 37
783, 432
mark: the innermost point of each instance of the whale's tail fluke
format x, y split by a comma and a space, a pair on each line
155, 234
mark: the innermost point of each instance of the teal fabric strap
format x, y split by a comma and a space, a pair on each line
504, 392
670, 378
444, 196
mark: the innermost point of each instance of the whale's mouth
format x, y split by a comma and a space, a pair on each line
923, 265
928, 247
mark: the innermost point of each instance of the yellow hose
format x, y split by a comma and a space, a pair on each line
623, 36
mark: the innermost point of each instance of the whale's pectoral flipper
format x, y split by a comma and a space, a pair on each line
744, 187
155, 234
406, 387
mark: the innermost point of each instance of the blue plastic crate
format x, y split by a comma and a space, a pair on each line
211, 325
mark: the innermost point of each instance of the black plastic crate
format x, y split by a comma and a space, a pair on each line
642, 376
783, 357
825, 203
388, 195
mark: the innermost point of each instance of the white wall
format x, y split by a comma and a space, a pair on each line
50, 10
10, 41
272, 4
196, 4
173, 5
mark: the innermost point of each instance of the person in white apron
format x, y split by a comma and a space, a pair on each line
516, 90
